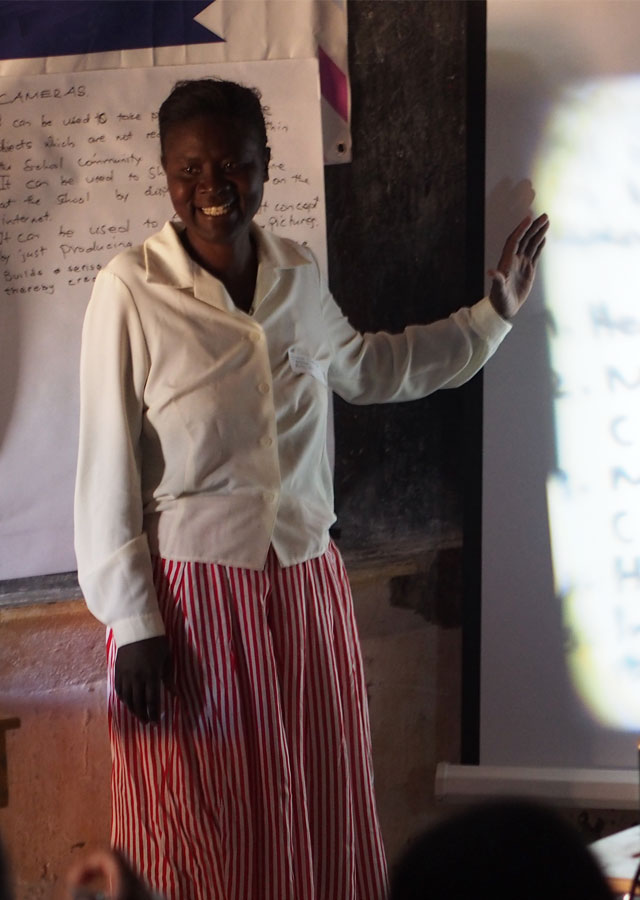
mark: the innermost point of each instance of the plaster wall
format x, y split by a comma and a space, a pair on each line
52, 679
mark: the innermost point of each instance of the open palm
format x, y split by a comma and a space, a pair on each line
512, 279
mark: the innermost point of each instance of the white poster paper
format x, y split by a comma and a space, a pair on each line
80, 179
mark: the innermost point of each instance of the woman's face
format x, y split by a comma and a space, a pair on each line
216, 169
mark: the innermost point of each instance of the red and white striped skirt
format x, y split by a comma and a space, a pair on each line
258, 783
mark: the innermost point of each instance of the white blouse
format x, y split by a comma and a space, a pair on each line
203, 429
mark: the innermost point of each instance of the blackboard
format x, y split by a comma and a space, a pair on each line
399, 252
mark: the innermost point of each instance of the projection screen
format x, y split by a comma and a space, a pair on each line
560, 666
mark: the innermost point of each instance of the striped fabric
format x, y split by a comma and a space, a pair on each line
258, 783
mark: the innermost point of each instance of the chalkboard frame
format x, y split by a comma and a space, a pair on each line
39, 589
472, 547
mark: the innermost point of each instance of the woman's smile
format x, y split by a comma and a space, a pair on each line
216, 210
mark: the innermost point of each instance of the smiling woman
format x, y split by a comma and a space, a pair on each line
216, 161
215, 172
238, 710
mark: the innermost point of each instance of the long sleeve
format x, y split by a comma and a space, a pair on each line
114, 563
383, 368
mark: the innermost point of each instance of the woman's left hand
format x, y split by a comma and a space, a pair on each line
514, 274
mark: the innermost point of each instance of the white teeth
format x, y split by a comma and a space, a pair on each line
216, 210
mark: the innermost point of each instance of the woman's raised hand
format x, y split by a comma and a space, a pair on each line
512, 279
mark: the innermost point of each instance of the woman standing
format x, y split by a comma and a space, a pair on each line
237, 709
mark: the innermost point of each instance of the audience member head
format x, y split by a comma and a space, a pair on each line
501, 849
105, 873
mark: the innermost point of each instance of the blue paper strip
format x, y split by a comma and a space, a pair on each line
34, 28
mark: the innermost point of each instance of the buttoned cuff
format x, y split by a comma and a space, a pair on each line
487, 323
137, 628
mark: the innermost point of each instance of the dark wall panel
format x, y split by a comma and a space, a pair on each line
397, 232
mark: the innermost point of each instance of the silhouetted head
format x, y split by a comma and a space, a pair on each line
512, 849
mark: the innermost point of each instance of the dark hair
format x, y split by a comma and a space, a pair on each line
501, 849
212, 97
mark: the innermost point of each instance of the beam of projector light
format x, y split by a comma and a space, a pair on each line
588, 179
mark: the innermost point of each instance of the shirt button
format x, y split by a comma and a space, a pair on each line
263, 387
266, 441
254, 337
269, 497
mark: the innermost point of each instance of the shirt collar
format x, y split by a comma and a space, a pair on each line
277, 252
167, 262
